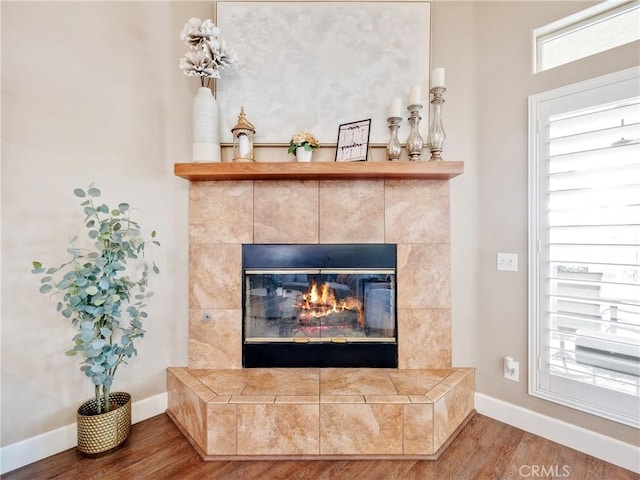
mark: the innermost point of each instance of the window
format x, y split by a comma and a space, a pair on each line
596, 29
584, 246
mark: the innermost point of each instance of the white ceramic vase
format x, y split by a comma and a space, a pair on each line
303, 155
206, 130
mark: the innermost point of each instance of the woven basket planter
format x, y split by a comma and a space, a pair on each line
100, 433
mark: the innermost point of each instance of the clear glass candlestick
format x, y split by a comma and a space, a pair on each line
436, 137
415, 141
394, 149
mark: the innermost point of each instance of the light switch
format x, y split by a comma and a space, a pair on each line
507, 262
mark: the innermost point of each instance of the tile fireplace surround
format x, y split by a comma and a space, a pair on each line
234, 413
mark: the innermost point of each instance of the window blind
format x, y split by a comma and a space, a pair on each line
584, 246
592, 243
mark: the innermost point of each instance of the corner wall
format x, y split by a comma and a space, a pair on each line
505, 81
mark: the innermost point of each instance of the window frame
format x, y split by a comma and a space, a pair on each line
577, 21
542, 383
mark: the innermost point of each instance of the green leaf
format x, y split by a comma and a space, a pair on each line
92, 290
70, 353
67, 312
45, 288
36, 265
123, 207
93, 234
97, 301
95, 192
153, 234
81, 281
91, 223
88, 210
105, 332
78, 192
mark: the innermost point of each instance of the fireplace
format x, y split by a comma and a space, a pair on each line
327, 305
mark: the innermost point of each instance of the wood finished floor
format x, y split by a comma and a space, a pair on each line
485, 449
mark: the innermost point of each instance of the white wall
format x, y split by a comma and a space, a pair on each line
91, 92
504, 82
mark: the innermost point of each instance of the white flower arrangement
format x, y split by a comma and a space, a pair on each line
208, 54
303, 139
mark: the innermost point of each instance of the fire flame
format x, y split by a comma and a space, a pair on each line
320, 302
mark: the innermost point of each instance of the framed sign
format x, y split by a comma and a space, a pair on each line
312, 65
353, 141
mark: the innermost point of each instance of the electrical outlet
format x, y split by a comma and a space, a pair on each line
507, 262
511, 369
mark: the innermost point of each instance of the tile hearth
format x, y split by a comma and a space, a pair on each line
320, 413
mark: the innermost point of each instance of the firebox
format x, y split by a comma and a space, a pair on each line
327, 305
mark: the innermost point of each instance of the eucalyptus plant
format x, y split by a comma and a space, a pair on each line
103, 290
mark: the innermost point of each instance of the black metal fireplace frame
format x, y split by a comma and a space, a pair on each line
326, 256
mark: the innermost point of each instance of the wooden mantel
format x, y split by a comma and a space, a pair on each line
318, 170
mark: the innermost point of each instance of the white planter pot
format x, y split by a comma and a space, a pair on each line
303, 155
206, 130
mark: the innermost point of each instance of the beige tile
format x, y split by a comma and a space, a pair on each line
203, 392
417, 211
188, 410
278, 429
452, 409
387, 399
355, 381
437, 392
221, 429
215, 276
424, 338
352, 211
424, 276
418, 429
286, 212
342, 399
281, 381
215, 343
298, 399
420, 399
415, 381
185, 377
455, 378
220, 399
227, 382
360, 429
221, 212
253, 399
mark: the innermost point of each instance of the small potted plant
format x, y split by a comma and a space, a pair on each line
303, 144
103, 292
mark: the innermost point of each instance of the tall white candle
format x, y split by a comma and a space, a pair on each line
437, 77
414, 95
394, 108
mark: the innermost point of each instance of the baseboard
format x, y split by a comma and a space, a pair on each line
595, 444
36, 448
